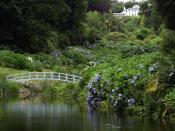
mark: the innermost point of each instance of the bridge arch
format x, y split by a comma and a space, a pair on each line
51, 76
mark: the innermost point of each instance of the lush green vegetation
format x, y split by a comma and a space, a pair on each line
126, 63
99, 5
8, 89
28, 26
166, 76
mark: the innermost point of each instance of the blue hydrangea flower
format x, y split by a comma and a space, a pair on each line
89, 95
94, 90
89, 85
131, 102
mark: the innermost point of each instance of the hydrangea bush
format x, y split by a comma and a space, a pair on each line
122, 84
96, 93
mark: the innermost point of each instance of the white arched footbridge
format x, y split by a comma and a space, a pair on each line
51, 76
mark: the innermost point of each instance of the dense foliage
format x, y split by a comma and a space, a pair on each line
8, 88
119, 59
117, 7
99, 5
167, 12
37, 25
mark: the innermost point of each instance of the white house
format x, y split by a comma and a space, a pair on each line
134, 11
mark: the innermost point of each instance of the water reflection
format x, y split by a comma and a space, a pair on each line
31, 116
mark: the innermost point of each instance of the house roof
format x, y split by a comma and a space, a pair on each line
136, 6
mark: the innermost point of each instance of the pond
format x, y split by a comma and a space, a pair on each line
29, 115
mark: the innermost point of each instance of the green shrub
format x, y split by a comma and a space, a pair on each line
74, 57
168, 43
94, 27
146, 32
92, 34
149, 103
113, 23
47, 61
84, 81
128, 49
51, 92
157, 40
140, 36
166, 74
12, 60
115, 36
63, 41
66, 91
130, 24
35, 66
128, 76
138, 110
169, 99
72, 90
35, 62
8, 88
62, 69
96, 20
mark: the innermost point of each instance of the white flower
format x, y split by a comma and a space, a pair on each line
120, 69
171, 74
30, 59
120, 95
140, 65
92, 63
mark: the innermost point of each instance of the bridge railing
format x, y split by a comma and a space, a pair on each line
43, 76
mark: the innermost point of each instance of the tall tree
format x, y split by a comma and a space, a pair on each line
130, 4
118, 7
10, 19
166, 9
99, 5
41, 25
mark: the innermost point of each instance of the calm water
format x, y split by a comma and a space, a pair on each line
41, 116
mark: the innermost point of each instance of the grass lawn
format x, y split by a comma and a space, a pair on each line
9, 71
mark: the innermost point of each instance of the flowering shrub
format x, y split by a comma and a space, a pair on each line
121, 97
123, 83
96, 92
153, 68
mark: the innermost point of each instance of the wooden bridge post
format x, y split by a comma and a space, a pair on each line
29, 76
59, 76
73, 78
52, 75
44, 75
